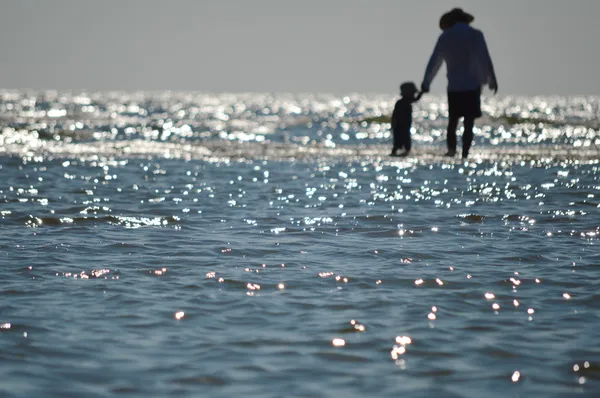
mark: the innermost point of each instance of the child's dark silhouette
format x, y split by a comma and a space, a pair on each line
402, 117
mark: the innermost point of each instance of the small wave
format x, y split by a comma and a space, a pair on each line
223, 150
343, 357
474, 218
124, 221
205, 380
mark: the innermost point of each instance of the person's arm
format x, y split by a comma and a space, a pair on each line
418, 97
486, 64
395, 115
433, 66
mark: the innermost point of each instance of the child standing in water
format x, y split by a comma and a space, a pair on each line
402, 117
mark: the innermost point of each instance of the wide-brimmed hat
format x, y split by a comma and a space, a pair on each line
453, 16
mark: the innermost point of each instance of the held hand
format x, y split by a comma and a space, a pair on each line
424, 88
494, 86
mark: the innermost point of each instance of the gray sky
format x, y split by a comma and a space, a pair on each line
340, 46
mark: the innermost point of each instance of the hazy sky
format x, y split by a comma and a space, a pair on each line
340, 46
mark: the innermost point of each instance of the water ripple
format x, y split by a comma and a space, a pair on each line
229, 245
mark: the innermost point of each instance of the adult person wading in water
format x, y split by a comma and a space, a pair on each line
469, 67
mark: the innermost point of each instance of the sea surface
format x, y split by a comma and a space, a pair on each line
266, 245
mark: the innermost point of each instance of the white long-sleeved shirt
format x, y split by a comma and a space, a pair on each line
468, 61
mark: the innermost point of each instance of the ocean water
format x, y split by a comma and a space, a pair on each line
266, 245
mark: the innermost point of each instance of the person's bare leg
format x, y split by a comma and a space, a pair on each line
451, 135
467, 138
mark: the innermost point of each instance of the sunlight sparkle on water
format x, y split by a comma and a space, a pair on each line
397, 351
358, 326
403, 340
296, 193
516, 376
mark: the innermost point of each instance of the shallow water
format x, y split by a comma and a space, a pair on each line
272, 248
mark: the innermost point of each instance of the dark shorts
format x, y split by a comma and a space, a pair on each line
464, 103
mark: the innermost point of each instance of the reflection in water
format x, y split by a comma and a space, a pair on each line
187, 244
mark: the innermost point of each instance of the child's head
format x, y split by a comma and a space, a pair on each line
408, 90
